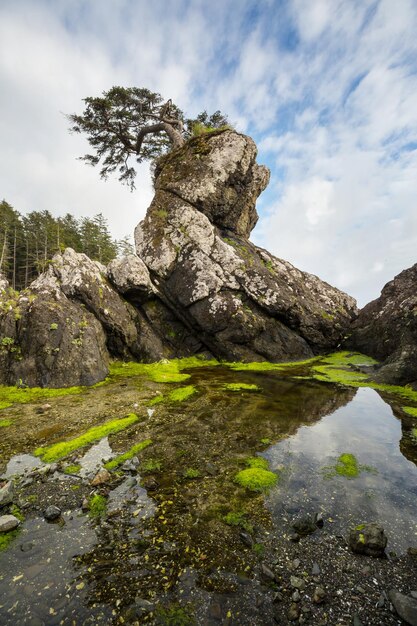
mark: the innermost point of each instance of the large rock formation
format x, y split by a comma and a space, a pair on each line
386, 329
197, 285
241, 301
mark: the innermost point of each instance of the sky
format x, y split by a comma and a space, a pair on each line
327, 89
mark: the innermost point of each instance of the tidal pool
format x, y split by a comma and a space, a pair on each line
172, 527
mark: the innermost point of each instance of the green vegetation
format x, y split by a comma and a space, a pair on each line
410, 410
4, 423
150, 465
53, 326
265, 441
265, 366
161, 372
259, 549
257, 461
347, 466
72, 469
138, 447
192, 473
97, 504
240, 387
23, 395
7, 538
178, 395
256, 479
174, 615
63, 448
238, 518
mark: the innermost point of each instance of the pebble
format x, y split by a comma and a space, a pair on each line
215, 611
356, 620
293, 612
267, 573
246, 538
52, 513
8, 522
297, 583
315, 570
102, 476
6, 494
413, 594
319, 595
381, 601
296, 563
296, 596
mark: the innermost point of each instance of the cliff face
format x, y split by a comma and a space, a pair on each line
197, 285
386, 329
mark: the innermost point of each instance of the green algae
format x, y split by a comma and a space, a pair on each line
5, 423
410, 410
240, 387
138, 447
98, 505
150, 466
178, 395
63, 448
238, 518
347, 466
24, 395
192, 473
174, 615
72, 469
161, 372
256, 479
257, 461
266, 366
7, 538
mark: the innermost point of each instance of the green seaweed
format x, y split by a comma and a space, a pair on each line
174, 615
24, 395
5, 423
98, 505
346, 465
240, 387
63, 448
257, 461
72, 469
410, 410
7, 538
192, 473
150, 466
266, 366
256, 479
178, 395
138, 447
238, 518
161, 372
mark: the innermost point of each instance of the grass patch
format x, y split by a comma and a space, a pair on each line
240, 387
63, 448
256, 479
128, 455
265, 366
346, 465
5, 423
150, 466
192, 473
72, 469
97, 504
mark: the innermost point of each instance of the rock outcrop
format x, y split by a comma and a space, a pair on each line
386, 329
241, 301
197, 285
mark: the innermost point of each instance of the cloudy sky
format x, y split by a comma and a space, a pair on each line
327, 88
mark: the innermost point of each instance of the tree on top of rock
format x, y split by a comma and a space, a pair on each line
136, 122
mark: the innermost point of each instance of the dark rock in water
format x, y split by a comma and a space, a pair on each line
304, 525
52, 513
386, 329
405, 606
8, 522
368, 539
6, 494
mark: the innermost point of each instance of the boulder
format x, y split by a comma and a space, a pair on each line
130, 277
368, 539
240, 301
8, 522
386, 329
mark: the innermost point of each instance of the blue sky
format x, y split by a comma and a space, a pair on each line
327, 88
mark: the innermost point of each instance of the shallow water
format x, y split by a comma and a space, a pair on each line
151, 539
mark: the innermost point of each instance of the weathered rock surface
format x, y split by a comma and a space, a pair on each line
405, 606
368, 539
8, 522
243, 303
197, 285
386, 329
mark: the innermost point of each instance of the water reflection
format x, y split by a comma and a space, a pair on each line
367, 429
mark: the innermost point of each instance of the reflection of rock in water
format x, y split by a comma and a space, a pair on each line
408, 442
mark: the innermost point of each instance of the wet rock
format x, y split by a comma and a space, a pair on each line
293, 612
246, 538
266, 573
297, 583
319, 595
356, 620
6, 494
295, 564
296, 597
405, 606
386, 329
381, 601
315, 570
413, 594
102, 476
368, 539
52, 513
26, 546
8, 522
318, 519
150, 483
295, 537
85, 505
305, 525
